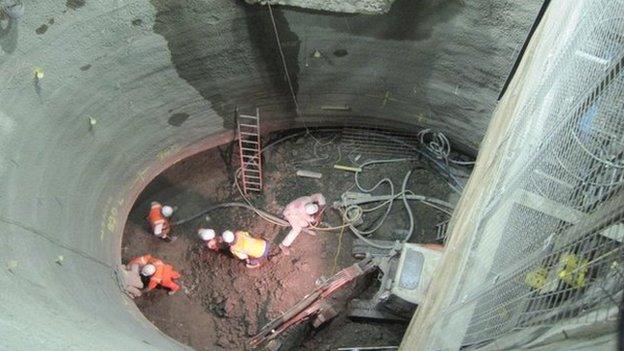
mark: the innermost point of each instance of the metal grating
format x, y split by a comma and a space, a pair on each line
549, 242
442, 230
378, 142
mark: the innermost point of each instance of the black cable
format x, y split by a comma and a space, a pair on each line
537, 21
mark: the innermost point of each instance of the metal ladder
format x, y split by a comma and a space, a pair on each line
249, 147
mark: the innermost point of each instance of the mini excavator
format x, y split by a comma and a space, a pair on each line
404, 273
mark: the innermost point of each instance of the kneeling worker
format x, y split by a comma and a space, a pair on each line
159, 220
158, 272
242, 245
300, 214
209, 238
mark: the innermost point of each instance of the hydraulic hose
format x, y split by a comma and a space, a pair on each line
407, 208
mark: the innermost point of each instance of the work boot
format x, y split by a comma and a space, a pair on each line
253, 263
170, 239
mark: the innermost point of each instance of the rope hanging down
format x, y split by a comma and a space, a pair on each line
279, 46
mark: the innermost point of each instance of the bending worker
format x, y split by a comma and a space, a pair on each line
209, 238
300, 214
242, 245
131, 278
158, 220
158, 272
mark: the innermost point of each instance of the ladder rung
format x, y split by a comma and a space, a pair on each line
249, 151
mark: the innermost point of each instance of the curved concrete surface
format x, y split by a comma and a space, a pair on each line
161, 79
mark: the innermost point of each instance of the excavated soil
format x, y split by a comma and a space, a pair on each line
223, 303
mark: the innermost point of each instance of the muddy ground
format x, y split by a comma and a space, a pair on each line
223, 303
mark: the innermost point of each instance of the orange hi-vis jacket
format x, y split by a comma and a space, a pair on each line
159, 224
164, 272
245, 246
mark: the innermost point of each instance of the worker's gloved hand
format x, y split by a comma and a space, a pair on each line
132, 283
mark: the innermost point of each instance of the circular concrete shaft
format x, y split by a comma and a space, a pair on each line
98, 97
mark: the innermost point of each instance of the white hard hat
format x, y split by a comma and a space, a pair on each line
148, 270
228, 236
206, 234
311, 208
167, 211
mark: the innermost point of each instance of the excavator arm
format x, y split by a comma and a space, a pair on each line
314, 304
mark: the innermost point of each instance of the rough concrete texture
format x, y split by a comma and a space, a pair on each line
343, 6
136, 69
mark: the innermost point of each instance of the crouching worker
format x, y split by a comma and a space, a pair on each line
159, 220
158, 272
301, 213
131, 279
242, 245
210, 239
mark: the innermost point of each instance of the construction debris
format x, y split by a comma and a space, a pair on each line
348, 168
309, 174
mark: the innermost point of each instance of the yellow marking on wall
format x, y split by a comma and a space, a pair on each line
166, 152
111, 220
140, 176
385, 99
103, 222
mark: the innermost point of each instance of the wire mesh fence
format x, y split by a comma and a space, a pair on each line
549, 242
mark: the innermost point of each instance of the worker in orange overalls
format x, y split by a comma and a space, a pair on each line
158, 220
242, 245
158, 272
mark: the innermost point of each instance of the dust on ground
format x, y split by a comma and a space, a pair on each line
222, 303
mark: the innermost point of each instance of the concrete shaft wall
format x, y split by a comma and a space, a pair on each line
161, 79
